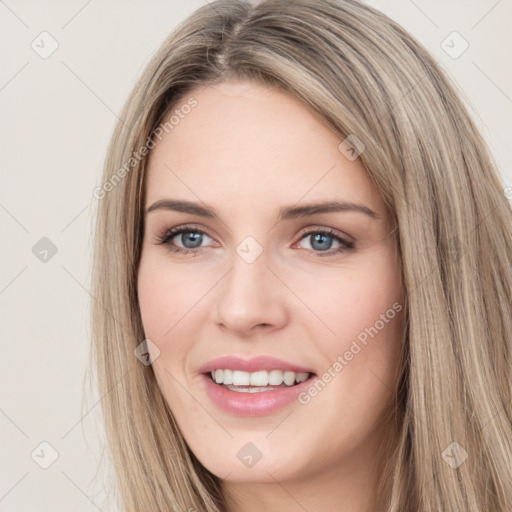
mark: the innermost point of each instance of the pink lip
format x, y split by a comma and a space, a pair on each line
252, 404
251, 365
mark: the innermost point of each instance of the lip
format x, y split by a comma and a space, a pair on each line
252, 404
252, 365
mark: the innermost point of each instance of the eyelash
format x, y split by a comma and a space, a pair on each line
167, 235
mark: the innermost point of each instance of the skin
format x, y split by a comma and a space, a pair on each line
247, 150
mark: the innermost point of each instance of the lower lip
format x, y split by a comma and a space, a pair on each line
253, 404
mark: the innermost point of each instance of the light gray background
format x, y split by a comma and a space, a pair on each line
57, 115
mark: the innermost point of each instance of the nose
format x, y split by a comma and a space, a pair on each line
250, 299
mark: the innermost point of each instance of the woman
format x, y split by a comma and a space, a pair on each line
302, 274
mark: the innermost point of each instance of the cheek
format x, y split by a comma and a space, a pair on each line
357, 303
363, 308
166, 297
361, 360
155, 298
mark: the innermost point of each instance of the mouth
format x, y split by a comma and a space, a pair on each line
256, 386
257, 393
258, 381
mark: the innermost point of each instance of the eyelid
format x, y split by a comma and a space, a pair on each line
305, 230
332, 231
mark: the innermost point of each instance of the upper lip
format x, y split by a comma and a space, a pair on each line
253, 364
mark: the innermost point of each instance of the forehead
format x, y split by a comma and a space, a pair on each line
250, 144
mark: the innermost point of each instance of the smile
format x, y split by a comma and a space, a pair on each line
253, 387
263, 380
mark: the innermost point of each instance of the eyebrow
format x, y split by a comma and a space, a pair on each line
285, 213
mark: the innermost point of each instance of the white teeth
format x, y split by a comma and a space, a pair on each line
301, 377
260, 378
228, 377
275, 377
250, 390
289, 378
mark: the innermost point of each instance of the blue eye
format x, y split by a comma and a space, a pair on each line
190, 238
321, 241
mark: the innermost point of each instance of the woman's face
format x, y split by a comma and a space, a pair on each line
287, 275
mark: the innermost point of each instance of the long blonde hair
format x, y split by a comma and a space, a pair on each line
364, 76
